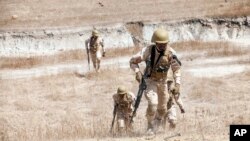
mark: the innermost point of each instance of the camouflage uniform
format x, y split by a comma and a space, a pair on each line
95, 45
157, 93
124, 101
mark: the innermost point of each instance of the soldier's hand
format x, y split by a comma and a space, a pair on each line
176, 89
103, 54
138, 76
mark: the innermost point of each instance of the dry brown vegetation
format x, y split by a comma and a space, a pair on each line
61, 57
211, 49
28, 62
63, 13
69, 107
237, 9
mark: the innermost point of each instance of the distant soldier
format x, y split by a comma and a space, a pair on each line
95, 46
123, 101
160, 57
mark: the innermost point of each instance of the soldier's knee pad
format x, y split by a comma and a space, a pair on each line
121, 123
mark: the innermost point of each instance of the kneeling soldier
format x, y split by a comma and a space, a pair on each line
124, 101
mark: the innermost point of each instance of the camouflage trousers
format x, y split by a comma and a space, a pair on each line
157, 95
123, 122
96, 59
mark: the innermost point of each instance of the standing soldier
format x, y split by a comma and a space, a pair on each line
95, 46
123, 102
160, 57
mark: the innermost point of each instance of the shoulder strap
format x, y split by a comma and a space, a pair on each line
152, 56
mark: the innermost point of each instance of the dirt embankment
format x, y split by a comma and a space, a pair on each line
47, 42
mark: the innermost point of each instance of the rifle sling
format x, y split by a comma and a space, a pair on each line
152, 57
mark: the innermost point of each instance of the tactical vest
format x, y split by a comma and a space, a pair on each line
93, 44
124, 103
158, 69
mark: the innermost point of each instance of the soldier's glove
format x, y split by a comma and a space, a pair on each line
103, 54
138, 76
176, 89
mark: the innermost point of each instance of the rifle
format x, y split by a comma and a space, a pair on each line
142, 87
86, 45
113, 121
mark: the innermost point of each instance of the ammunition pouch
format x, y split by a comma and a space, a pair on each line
93, 49
162, 69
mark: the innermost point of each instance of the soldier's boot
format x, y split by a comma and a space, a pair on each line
129, 126
151, 113
94, 64
150, 128
98, 65
164, 122
161, 113
172, 124
158, 124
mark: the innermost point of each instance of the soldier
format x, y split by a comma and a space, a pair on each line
124, 102
95, 44
160, 57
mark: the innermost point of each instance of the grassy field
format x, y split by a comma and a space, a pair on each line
74, 107
69, 107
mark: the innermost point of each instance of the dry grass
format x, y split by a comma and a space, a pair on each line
66, 107
211, 49
82, 110
238, 9
62, 57
24, 62
61, 13
115, 52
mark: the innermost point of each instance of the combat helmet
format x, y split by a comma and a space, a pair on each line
160, 35
121, 90
95, 33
